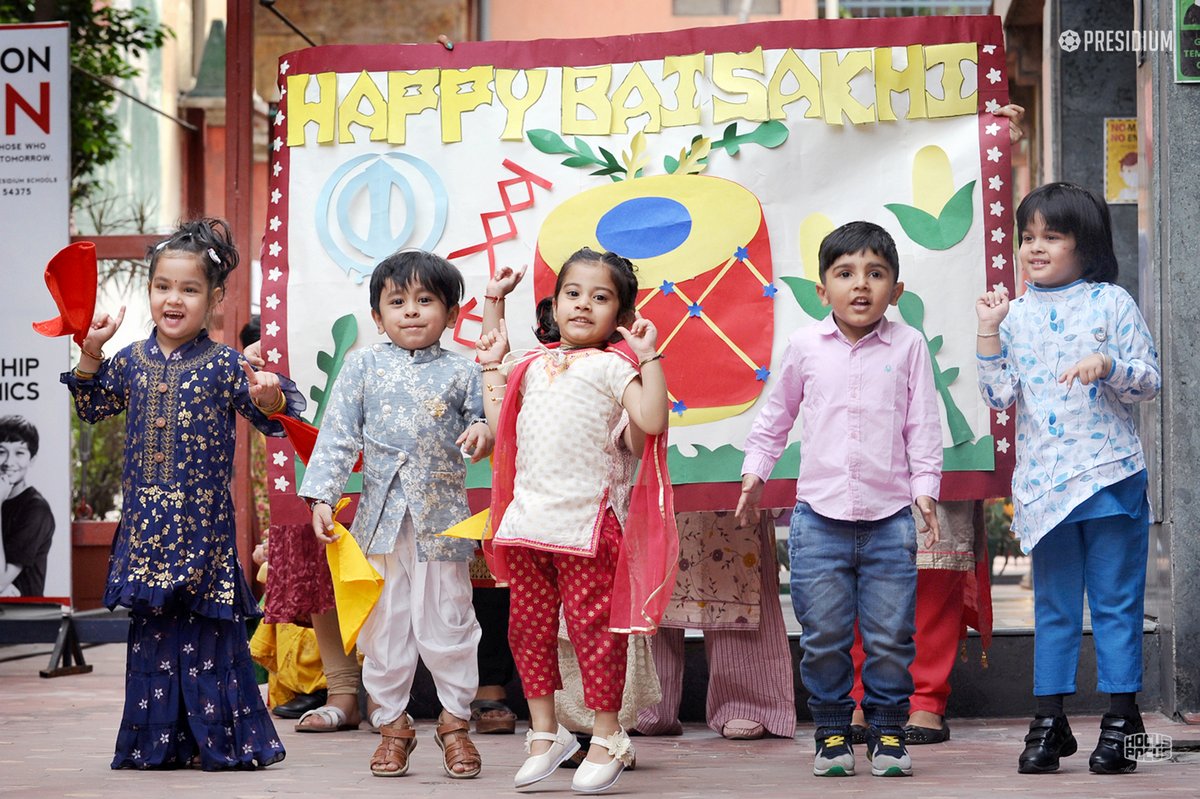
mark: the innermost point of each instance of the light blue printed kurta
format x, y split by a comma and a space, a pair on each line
404, 410
1071, 441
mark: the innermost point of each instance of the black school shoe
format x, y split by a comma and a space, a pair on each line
1049, 738
300, 705
1109, 756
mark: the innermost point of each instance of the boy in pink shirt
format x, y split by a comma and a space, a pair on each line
871, 446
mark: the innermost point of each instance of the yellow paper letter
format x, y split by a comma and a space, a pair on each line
323, 110
755, 106
402, 105
835, 87
911, 79
514, 121
455, 103
594, 98
650, 102
350, 110
953, 103
809, 87
686, 111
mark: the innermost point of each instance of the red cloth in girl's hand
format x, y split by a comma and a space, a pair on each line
71, 278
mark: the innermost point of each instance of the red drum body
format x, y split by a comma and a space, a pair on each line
703, 257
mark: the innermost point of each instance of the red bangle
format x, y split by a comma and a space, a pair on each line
493, 299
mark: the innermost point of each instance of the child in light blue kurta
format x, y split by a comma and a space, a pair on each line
409, 405
1075, 356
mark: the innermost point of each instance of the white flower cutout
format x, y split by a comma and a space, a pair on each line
272, 329
991, 106
988, 49
282, 484
276, 196
993, 75
998, 236
279, 117
274, 274
272, 301
1002, 445
276, 169
991, 129
993, 154
274, 355
280, 458
284, 67
999, 287
996, 209
999, 262
275, 223
995, 183
274, 249
277, 144
1002, 417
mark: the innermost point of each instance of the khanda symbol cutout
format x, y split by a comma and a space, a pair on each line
374, 183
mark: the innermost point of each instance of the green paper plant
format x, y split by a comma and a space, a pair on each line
946, 229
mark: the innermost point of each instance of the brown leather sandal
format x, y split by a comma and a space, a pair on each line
399, 739
454, 739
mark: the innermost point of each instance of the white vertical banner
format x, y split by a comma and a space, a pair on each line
35, 201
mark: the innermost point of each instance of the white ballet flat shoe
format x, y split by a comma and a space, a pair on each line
596, 777
538, 767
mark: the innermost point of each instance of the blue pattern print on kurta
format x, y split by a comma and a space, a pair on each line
1072, 441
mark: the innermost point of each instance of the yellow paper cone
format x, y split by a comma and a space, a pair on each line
472, 527
356, 584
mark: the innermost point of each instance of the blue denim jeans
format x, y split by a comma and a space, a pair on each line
846, 570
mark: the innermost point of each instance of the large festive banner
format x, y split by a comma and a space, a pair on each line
35, 202
716, 159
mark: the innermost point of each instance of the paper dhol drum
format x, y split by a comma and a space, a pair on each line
703, 261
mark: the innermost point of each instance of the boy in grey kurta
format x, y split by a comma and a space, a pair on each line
409, 406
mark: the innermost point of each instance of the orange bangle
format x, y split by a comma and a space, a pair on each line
99, 357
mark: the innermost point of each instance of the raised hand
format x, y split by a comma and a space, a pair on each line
264, 387
930, 526
1090, 369
1014, 113
641, 336
504, 281
493, 346
991, 308
103, 328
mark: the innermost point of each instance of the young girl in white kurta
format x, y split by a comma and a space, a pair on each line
1075, 356
568, 418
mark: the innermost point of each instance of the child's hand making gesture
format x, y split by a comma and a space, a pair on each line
493, 345
503, 282
103, 328
264, 390
642, 338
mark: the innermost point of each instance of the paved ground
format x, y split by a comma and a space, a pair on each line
56, 739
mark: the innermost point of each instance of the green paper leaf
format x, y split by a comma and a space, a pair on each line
345, 333
577, 160
935, 345
950, 375
670, 165
769, 134
912, 309
941, 233
582, 148
547, 141
805, 292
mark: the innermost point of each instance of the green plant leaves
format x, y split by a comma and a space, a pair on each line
805, 292
947, 229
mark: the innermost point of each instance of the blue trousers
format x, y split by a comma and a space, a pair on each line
845, 570
1107, 558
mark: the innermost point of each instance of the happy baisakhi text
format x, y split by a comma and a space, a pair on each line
752, 94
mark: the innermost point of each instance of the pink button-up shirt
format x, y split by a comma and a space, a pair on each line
871, 439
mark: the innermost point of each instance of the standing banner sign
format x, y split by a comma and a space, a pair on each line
35, 201
716, 159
